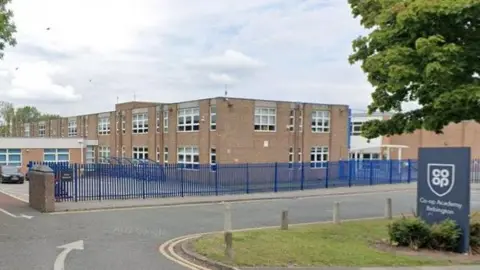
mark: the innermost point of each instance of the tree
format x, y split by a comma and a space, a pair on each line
426, 51
7, 27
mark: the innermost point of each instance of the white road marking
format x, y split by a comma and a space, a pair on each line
15, 216
60, 260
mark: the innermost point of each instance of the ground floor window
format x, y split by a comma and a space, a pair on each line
140, 152
56, 155
319, 157
188, 157
11, 157
104, 154
213, 159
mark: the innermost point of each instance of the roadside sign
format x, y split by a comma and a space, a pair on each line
444, 187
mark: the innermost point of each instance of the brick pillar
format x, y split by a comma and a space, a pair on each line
42, 188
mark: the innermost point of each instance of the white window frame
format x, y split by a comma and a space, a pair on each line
191, 157
140, 123
321, 121
265, 119
103, 126
185, 114
319, 157
213, 159
90, 154
26, 130
213, 117
291, 120
356, 128
8, 152
291, 155
157, 120
165, 121
72, 128
165, 155
141, 152
57, 153
157, 154
41, 129
103, 153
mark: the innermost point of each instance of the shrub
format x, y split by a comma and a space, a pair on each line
445, 236
410, 232
475, 237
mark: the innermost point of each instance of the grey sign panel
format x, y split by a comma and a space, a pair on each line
444, 187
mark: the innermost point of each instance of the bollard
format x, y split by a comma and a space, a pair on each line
284, 222
388, 209
229, 245
227, 226
336, 213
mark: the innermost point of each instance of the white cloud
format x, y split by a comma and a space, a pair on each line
168, 51
33, 82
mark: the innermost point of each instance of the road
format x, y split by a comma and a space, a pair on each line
129, 239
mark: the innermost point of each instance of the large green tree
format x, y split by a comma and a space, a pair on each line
7, 27
427, 51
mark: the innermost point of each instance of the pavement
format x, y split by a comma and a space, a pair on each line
129, 238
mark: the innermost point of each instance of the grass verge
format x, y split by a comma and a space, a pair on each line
348, 244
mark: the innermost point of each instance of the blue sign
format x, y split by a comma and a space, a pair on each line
444, 188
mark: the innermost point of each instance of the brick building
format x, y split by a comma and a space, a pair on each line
223, 130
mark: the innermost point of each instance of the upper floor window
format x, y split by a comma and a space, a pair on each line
72, 128
140, 123
26, 131
319, 157
158, 123
265, 119
356, 128
165, 121
320, 121
189, 119
103, 126
41, 129
213, 117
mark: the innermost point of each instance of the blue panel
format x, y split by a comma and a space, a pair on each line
14, 157
63, 157
3, 150
14, 151
3, 157
49, 157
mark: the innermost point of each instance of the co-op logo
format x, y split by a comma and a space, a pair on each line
441, 178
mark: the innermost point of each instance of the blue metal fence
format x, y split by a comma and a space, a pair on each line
154, 180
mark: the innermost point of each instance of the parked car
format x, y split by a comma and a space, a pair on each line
11, 174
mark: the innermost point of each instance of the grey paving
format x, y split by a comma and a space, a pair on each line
129, 239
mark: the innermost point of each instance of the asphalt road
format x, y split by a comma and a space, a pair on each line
129, 239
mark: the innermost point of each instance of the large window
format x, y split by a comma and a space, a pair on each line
140, 123
213, 159
103, 154
56, 155
320, 121
356, 128
41, 129
265, 119
90, 154
140, 152
103, 126
213, 117
26, 131
189, 119
12, 157
319, 157
72, 128
188, 157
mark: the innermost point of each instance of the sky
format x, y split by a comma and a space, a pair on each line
96, 51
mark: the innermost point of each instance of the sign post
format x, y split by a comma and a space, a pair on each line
444, 188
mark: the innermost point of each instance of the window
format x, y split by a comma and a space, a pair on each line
188, 119
12, 157
291, 155
157, 120
188, 157
86, 125
140, 152
265, 119
157, 154
213, 159
165, 121
124, 122
356, 128
300, 118
72, 128
140, 123
41, 129
319, 157
56, 155
26, 131
320, 121
213, 117
291, 120
103, 154
165, 155
90, 154
124, 152
103, 126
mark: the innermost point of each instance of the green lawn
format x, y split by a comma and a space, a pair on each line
348, 244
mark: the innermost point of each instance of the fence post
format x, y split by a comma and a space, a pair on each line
336, 213
327, 170
275, 187
302, 177
284, 220
144, 179
388, 208
371, 173
409, 171
217, 166
181, 181
247, 179
75, 181
391, 171
100, 186
350, 168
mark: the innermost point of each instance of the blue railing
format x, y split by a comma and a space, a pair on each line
154, 180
